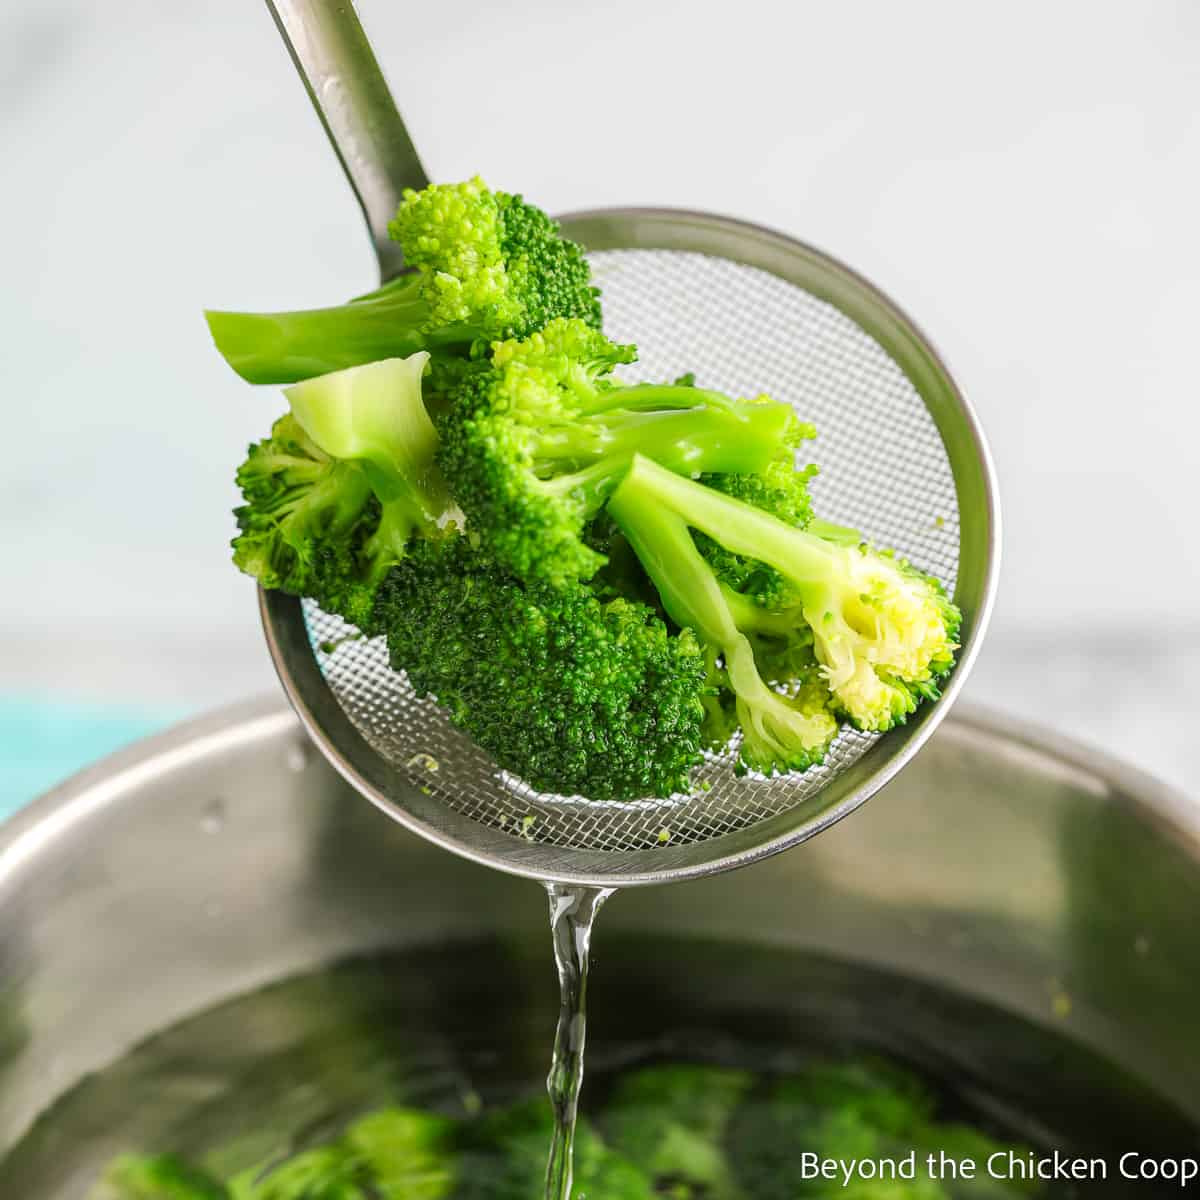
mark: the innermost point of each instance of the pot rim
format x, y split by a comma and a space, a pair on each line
27, 834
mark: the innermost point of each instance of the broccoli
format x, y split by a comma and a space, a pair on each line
683, 1131
533, 442
671, 1122
600, 581
160, 1177
484, 266
861, 1109
882, 633
504, 1158
304, 521
780, 489
322, 1173
346, 479
779, 732
409, 1154
573, 693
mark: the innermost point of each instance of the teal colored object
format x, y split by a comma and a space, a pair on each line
42, 742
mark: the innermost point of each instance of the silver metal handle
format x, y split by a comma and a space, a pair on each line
351, 96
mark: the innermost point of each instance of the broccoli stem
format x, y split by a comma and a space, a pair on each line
286, 347
645, 397
692, 441
374, 415
778, 735
802, 557
399, 520
883, 633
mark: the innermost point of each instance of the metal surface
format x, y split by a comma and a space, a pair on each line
748, 310
351, 96
226, 855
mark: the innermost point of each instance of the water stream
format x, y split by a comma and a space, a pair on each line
572, 912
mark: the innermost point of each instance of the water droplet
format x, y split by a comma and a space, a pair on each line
1141, 945
425, 761
212, 819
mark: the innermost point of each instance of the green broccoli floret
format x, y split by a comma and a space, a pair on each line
334, 496
844, 1111
670, 1121
504, 1158
882, 632
160, 1177
571, 693
534, 442
780, 732
483, 265
324, 1173
303, 520
409, 1154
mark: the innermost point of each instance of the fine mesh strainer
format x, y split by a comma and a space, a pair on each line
747, 310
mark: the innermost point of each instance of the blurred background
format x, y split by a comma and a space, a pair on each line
1022, 178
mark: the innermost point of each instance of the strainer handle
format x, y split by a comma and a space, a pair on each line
351, 96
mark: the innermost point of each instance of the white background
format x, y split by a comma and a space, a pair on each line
1022, 177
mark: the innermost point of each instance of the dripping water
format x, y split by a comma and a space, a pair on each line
572, 912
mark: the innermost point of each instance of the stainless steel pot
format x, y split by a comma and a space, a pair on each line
1047, 880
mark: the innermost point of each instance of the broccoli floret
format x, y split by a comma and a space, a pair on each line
534, 442
483, 266
861, 1109
571, 693
883, 633
334, 496
845, 1111
304, 520
324, 1173
409, 1154
504, 1158
670, 1121
780, 732
160, 1177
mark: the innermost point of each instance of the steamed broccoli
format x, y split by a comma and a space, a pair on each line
682, 1131
484, 266
408, 1154
504, 1158
159, 1177
323, 1173
671, 1121
599, 581
346, 479
305, 522
573, 693
781, 489
882, 632
855, 1110
534, 442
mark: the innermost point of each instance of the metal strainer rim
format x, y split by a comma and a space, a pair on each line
371, 775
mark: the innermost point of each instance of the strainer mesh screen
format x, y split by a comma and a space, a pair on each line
883, 470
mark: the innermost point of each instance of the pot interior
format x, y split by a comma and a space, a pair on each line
1015, 920
262, 1077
